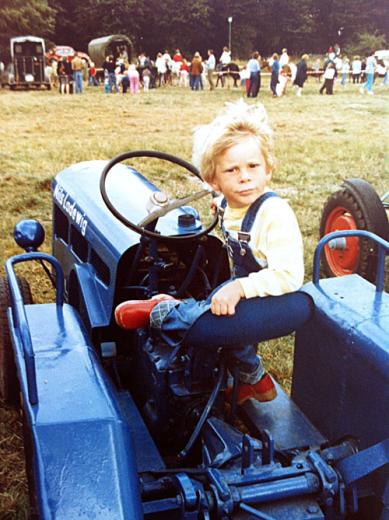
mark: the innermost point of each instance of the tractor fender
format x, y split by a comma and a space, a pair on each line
82, 455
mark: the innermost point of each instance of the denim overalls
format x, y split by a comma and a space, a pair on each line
179, 320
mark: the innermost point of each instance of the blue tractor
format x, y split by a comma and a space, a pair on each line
119, 425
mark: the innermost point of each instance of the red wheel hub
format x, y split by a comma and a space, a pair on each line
345, 260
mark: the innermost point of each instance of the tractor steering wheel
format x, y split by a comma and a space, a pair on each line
140, 227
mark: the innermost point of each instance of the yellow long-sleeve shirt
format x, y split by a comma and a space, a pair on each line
276, 243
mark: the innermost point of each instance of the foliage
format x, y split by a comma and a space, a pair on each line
366, 43
24, 17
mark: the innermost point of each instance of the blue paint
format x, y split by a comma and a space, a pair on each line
110, 412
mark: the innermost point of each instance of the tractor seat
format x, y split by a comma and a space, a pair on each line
255, 320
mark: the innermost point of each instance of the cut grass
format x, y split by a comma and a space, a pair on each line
320, 141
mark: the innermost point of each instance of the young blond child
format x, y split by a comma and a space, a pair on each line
234, 154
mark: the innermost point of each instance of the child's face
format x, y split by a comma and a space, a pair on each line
241, 173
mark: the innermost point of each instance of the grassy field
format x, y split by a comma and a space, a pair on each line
320, 141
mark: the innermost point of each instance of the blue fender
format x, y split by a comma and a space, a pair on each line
83, 453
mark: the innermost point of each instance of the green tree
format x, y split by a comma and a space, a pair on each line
96, 18
342, 22
365, 43
172, 24
24, 17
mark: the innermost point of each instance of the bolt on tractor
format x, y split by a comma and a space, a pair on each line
120, 425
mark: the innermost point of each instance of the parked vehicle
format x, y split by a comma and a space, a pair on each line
65, 51
119, 425
115, 45
27, 67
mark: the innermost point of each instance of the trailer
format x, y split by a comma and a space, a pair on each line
115, 45
27, 66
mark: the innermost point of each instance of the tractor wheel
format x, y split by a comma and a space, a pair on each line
9, 383
355, 206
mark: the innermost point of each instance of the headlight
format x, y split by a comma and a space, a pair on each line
28, 77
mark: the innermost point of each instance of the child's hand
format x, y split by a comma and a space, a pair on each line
214, 206
226, 298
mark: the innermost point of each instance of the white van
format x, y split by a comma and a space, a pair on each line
383, 55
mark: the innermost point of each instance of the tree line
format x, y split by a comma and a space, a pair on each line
191, 25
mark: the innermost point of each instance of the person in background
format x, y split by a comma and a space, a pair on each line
160, 63
133, 75
371, 65
77, 66
92, 81
283, 80
195, 71
345, 71
176, 65
184, 74
125, 81
211, 66
146, 75
284, 58
329, 77
48, 72
109, 66
317, 69
64, 84
356, 69
275, 70
168, 73
301, 74
254, 69
225, 57
54, 73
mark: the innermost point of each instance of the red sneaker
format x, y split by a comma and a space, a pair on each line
262, 391
134, 314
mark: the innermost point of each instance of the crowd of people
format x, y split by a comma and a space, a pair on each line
334, 66
118, 74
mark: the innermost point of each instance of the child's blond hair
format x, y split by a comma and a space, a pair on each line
235, 122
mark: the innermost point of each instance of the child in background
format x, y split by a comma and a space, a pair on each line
275, 70
328, 76
283, 79
146, 79
356, 69
106, 82
345, 71
234, 154
133, 75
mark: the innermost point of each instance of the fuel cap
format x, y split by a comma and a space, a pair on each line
186, 221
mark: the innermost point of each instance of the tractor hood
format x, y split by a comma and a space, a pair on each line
89, 240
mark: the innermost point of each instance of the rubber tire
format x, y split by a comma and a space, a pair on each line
361, 201
9, 383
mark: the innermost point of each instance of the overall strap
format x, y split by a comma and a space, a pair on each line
221, 210
249, 218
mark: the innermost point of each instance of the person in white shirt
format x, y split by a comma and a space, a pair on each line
371, 65
211, 66
328, 76
160, 63
225, 58
356, 69
284, 58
